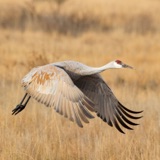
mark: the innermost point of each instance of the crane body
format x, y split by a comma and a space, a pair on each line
75, 90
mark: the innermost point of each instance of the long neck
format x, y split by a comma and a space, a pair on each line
82, 69
105, 67
95, 70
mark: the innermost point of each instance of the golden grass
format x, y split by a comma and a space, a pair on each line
39, 132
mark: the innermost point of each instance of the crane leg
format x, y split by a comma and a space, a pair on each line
21, 106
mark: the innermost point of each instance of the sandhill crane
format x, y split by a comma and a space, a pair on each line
75, 90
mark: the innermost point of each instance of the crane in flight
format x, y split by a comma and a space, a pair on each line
75, 90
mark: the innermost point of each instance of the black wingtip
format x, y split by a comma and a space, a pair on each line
117, 126
128, 110
128, 114
122, 122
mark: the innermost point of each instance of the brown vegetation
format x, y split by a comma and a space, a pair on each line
93, 32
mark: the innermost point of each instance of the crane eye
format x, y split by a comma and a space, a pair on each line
118, 62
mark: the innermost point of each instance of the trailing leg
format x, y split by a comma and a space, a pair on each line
21, 106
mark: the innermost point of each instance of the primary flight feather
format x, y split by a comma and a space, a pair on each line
75, 90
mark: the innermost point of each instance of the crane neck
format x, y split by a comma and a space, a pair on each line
103, 68
82, 69
106, 66
95, 70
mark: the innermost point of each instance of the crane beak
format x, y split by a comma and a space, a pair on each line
127, 66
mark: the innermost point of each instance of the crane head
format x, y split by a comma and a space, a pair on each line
120, 64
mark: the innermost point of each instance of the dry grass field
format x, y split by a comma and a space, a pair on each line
94, 32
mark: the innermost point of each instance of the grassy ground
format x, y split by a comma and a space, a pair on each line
93, 32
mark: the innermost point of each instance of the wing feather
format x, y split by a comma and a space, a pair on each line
82, 115
108, 108
76, 115
52, 86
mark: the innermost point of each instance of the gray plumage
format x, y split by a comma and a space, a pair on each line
75, 90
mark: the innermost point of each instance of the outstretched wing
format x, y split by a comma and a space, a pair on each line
108, 108
52, 86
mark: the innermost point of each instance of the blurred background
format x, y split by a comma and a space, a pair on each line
94, 32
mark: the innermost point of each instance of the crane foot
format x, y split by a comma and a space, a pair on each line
18, 109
